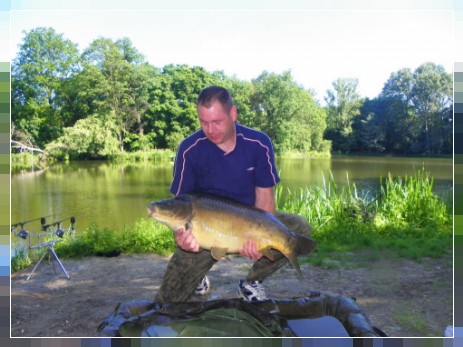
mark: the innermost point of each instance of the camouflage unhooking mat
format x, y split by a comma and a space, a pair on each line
328, 316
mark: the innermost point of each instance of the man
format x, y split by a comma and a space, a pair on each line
225, 159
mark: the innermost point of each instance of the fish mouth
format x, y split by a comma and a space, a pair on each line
151, 209
158, 213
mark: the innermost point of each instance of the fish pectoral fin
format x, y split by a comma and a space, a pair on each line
218, 253
267, 252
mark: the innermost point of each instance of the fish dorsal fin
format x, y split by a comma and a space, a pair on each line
267, 252
218, 253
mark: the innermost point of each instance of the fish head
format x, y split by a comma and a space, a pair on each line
174, 213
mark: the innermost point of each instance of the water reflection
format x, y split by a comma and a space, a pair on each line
365, 172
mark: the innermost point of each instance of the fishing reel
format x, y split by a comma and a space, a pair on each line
59, 230
23, 233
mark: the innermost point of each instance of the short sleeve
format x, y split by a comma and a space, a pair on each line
266, 171
183, 180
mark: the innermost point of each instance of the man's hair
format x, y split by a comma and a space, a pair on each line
215, 93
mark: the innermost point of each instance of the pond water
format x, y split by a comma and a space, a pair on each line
116, 195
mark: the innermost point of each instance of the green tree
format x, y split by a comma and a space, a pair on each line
162, 111
144, 79
368, 127
46, 60
242, 93
129, 52
116, 75
397, 116
418, 108
287, 113
432, 94
83, 96
343, 106
172, 113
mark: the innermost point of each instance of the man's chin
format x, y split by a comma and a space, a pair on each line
215, 140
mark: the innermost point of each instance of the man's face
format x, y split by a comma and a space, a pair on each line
217, 123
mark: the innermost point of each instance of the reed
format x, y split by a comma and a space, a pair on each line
411, 201
405, 215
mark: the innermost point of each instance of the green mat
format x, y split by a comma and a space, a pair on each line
220, 322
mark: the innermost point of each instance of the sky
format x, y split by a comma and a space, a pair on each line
317, 43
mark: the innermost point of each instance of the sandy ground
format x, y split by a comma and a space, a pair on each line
404, 298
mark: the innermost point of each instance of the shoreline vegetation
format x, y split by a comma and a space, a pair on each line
35, 160
404, 217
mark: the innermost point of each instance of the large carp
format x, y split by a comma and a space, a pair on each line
223, 226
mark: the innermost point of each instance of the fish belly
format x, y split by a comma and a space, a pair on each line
217, 234
226, 228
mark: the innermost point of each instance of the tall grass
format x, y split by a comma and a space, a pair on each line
405, 216
328, 206
411, 201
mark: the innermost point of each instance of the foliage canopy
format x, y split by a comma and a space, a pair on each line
109, 94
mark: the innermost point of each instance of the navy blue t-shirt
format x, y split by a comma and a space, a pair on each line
202, 167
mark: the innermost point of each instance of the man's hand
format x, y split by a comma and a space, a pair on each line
186, 241
250, 251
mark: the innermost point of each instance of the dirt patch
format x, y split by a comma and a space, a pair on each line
402, 297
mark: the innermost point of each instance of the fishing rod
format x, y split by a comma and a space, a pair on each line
24, 233
31, 220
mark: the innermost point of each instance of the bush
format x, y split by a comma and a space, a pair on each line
94, 137
146, 236
20, 260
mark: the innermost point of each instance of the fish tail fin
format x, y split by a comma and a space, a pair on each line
303, 245
292, 257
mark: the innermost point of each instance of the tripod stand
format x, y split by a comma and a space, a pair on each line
50, 252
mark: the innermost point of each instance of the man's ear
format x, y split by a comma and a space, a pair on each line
234, 113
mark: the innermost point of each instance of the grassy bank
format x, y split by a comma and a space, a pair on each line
405, 218
140, 156
27, 159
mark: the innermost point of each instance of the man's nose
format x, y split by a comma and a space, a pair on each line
209, 128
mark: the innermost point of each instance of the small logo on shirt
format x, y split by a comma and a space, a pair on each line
250, 169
